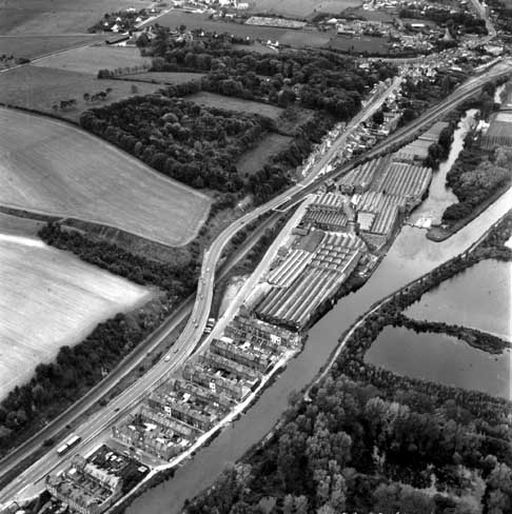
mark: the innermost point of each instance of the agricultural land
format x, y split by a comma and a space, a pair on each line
91, 59
44, 89
70, 173
68, 297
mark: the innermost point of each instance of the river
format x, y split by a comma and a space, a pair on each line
441, 358
410, 256
439, 196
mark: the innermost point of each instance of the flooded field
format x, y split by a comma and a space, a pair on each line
49, 298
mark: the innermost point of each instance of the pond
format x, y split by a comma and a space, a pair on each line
480, 298
441, 358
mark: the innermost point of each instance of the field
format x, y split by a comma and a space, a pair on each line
51, 167
236, 104
32, 47
40, 88
57, 16
299, 38
253, 160
48, 299
369, 44
302, 8
164, 77
91, 59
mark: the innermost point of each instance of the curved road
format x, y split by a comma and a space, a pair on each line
99, 424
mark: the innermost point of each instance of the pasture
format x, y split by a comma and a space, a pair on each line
56, 16
302, 8
50, 167
32, 47
49, 298
299, 38
164, 77
359, 45
235, 104
39, 88
253, 160
91, 59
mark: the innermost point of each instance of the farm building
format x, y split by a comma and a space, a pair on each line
499, 132
417, 150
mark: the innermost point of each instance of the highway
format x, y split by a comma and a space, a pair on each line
99, 424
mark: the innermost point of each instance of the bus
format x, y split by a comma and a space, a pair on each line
70, 443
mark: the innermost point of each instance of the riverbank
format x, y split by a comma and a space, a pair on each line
439, 233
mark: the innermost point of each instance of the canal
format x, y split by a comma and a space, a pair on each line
410, 256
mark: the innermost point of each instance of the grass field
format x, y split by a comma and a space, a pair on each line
300, 38
32, 47
164, 77
49, 298
236, 104
91, 59
40, 88
359, 45
57, 16
255, 159
302, 8
51, 167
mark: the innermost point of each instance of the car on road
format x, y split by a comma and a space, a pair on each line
167, 358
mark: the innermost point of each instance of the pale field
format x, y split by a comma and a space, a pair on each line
302, 8
91, 59
50, 167
49, 298
57, 16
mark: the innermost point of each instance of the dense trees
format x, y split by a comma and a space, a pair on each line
317, 79
367, 440
475, 176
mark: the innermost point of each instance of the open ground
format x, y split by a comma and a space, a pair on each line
57, 16
299, 38
39, 88
50, 298
302, 8
236, 104
51, 167
253, 160
91, 59
32, 47
164, 77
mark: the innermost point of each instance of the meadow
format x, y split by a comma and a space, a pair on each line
32, 47
57, 16
53, 168
298, 38
253, 160
236, 104
39, 88
302, 8
164, 77
91, 59
49, 298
